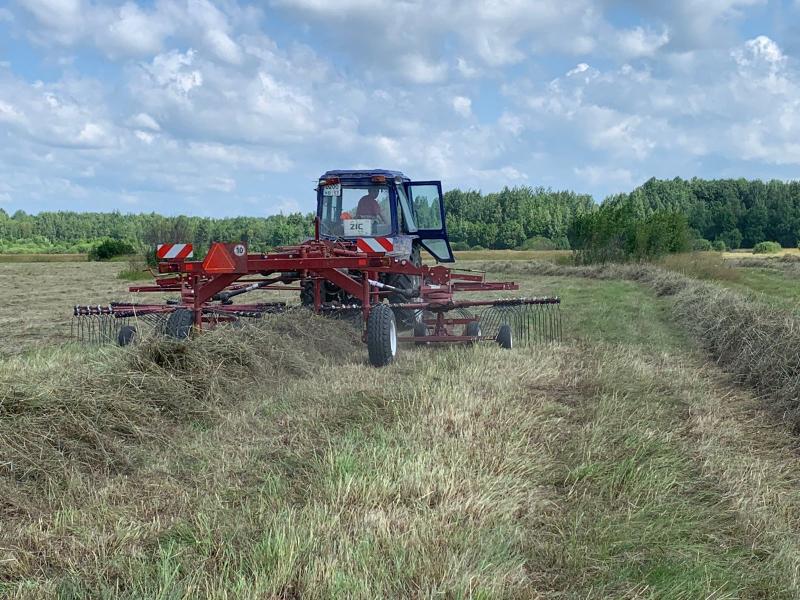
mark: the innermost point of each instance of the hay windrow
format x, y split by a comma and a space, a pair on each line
66, 415
758, 343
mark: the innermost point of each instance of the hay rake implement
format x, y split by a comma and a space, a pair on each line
207, 290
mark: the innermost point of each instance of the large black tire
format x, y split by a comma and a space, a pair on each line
381, 336
126, 335
505, 337
473, 328
179, 324
406, 318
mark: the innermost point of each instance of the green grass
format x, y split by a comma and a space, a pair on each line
556, 256
612, 311
776, 287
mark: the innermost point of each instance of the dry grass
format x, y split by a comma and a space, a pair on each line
744, 253
38, 300
701, 265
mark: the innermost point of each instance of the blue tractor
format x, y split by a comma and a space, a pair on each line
382, 211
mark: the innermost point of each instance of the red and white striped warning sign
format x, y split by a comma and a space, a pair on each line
179, 251
375, 244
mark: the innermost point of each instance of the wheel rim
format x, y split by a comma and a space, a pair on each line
392, 338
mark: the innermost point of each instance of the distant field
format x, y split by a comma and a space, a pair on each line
33, 258
552, 255
748, 252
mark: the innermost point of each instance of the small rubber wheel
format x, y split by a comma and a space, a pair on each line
473, 329
126, 335
381, 336
420, 330
179, 324
504, 337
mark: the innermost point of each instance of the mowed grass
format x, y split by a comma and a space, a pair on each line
616, 464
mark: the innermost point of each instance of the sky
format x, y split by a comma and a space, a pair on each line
234, 108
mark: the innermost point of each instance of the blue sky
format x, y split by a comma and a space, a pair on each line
229, 108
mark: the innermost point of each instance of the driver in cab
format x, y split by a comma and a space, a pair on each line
368, 206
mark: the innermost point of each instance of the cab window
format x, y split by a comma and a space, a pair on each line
357, 212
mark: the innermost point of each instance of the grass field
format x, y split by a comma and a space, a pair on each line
37, 258
620, 463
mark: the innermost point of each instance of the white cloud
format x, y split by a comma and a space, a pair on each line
224, 47
128, 30
466, 69
418, 69
606, 176
144, 121
580, 68
463, 106
639, 42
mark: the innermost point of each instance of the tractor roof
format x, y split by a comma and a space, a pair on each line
366, 174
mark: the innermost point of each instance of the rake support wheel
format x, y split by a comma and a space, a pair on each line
505, 337
126, 335
381, 336
420, 330
473, 329
179, 324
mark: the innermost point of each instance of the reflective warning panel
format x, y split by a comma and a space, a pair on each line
174, 251
226, 258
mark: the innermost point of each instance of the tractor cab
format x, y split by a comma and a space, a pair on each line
384, 211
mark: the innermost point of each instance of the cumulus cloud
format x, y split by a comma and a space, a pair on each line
463, 106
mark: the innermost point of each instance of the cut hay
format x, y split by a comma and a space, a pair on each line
63, 414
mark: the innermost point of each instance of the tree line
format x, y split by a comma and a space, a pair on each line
738, 212
733, 212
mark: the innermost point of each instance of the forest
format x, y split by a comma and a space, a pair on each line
734, 212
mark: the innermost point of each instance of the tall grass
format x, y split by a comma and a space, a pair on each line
701, 265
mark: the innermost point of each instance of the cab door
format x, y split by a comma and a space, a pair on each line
427, 203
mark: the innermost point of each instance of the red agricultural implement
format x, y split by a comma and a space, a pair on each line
207, 289
375, 275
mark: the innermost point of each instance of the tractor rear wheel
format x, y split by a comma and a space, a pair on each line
505, 337
179, 324
381, 336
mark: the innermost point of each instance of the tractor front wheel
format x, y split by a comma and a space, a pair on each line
381, 336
